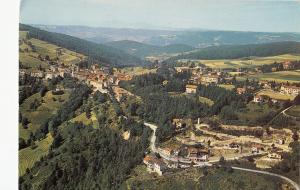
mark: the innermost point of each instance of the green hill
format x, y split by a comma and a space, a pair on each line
99, 52
143, 50
241, 51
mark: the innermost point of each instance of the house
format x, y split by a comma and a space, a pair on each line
37, 74
155, 165
288, 65
51, 75
280, 141
257, 99
22, 72
169, 152
292, 90
120, 92
179, 124
191, 89
260, 98
165, 82
210, 79
171, 164
197, 155
256, 148
275, 155
241, 90
234, 145
182, 69
265, 84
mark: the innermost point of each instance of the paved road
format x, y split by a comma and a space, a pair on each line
153, 137
294, 184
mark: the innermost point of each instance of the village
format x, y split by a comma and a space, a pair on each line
187, 148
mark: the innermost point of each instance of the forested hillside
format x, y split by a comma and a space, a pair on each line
98, 52
241, 51
143, 50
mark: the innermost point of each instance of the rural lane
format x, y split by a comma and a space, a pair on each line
294, 184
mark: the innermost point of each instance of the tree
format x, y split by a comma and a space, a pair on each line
297, 100
222, 161
43, 91
25, 122
295, 136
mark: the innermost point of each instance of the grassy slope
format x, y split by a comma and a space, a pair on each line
194, 179
44, 112
99, 52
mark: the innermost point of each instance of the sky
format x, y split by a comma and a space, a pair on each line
238, 15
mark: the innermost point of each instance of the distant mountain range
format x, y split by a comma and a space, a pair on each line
241, 51
143, 50
197, 39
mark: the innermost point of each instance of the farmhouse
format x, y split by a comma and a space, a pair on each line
257, 99
179, 124
197, 155
155, 165
37, 74
211, 79
292, 90
288, 65
191, 89
241, 90
275, 155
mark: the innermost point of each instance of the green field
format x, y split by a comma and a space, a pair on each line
248, 63
28, 156
255, 111
276, 95
205, 100
137, 70
294, 111
47, 109
280, 76
227, 86
30, 59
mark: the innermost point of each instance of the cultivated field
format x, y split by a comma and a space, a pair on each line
137, 70
248, 63
280, 76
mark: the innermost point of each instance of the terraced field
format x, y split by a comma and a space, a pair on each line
28, 156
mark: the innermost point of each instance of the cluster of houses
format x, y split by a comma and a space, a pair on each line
171, 158
99, 78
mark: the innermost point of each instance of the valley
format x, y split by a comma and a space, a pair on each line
100, 117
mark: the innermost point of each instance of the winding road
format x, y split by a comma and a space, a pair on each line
155, 150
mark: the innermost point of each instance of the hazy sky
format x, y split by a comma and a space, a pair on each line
246, 15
